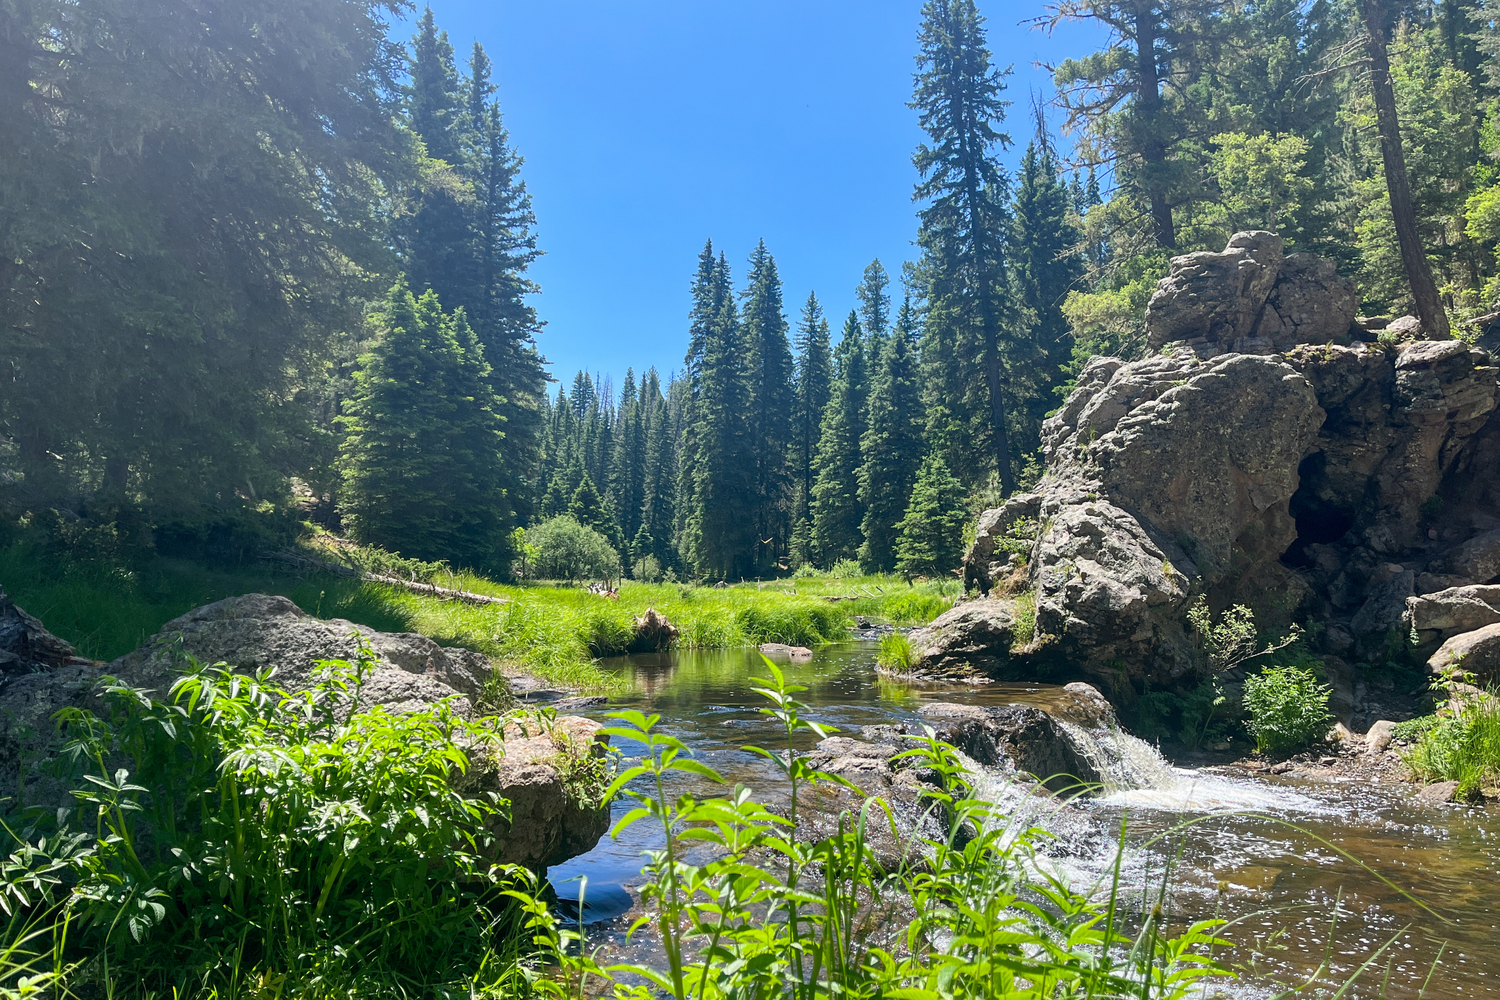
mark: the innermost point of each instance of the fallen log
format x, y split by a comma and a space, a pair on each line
447, 593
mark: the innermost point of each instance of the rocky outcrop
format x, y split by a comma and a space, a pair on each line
1250, 299
1261, 456
554, 816
1442, 615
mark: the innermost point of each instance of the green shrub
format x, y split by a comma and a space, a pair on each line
1414, 729
647, 569
608, 631
846, 569
1288, 709
896, 653
236, 831
1024, 630
566, 550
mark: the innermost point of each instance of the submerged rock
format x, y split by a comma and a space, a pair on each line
545, 774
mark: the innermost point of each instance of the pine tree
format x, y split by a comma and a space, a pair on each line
422, 472
837, 512
769, 358
874, 306
718, 539
814, 385
892, 445
1044, 271
654, 535
931, 535
627, 477
963, 225
433, 98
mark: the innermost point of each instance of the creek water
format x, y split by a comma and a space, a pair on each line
1262, 851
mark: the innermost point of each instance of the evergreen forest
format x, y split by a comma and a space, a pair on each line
269, 263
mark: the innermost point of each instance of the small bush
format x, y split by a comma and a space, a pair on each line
1414, 729
896, 653
846, 569
566, 550
608, 631
1024, 631
805, 571
647, 569
1288, 709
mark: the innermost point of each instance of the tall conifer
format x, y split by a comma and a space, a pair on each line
422, 470
769, 359
931, 535
837, 512
814, 385
892, 445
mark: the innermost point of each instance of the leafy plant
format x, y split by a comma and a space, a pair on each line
647, 569
1233, 639
1462, 747
236, 829
1288, 709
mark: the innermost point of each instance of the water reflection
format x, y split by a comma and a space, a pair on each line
1263, 851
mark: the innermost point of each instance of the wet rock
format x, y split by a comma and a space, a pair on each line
1086, 706
1437, 794
782, 649
1379, 737
573, 703
1028, 738
969, 640
1476, 652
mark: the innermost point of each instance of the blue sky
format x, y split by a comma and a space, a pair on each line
649, 126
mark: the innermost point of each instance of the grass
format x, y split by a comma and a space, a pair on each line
107, 609
896, 653
1464, 748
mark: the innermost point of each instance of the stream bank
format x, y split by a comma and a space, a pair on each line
1259, 847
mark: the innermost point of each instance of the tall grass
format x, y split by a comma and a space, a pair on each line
1464, 747
107, 609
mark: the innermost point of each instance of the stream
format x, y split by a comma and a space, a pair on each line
1258, 850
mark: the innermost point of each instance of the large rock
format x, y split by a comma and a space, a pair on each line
1450, 612
969, 640
1215, 296
1311, 303
1478, 559
1476, 652
556, 812
986, 560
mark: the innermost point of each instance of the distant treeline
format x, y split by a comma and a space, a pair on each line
261, 252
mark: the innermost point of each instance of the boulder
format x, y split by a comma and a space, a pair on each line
969, 640
1386, 605
1024, 737
1311, 303
1438, 794
1215, 296
555, 816
1476, 652
1477, 559
541, 767
985, 561
1446, 613
1379, 736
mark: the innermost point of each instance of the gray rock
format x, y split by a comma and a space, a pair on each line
1309, 304
1026, 737
1431, 583
782, 649
27, 647
969, 640
1447, 613
1379, 736
985, 561
1404, 328
1477, 559
1476, 652
1215, 296
1383, 610
1437, 794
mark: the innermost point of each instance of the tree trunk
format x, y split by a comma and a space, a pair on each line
1153, 149
1418, 272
